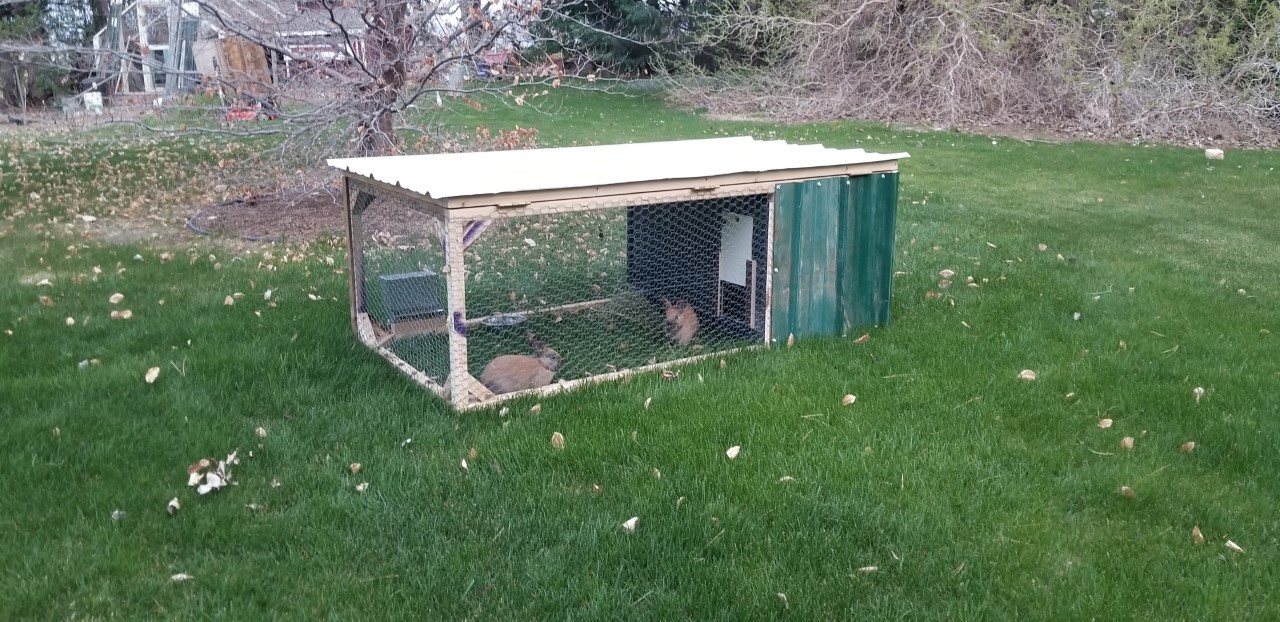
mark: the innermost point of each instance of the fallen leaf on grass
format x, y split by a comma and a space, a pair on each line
180, 577
46, 301
71, 321
1187, 447
630, 525
1026, 375
848, 400
463, 465
1105, 423
116, 298
1126, 442
354, 468
266, 295
557, 440
362, 486
791, 340
1233, 546
1127, 492
732, 452
261, 432
786, 478
863, 339
1198, 392
117, 515
1043, 247
472, 454
1196, 536
537, 408
173, 506
656, 473
647, 401
868, 569
595, 489
152, 374
946, 274
229, 301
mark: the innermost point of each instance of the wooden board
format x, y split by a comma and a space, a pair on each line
244, 65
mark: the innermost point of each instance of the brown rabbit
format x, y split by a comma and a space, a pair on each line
516, 372
681, 323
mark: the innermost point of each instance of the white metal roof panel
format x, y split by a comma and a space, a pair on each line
442, 176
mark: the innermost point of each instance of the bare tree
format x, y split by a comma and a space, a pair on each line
1132, 68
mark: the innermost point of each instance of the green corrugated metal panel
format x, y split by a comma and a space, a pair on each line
871, 212
833, 254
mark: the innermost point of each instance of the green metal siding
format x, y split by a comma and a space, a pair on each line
833, 254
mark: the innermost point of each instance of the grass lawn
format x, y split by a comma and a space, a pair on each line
974, 495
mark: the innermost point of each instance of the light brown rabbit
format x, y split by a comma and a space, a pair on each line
681, 323
516, 372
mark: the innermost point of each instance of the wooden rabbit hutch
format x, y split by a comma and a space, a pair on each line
488, 276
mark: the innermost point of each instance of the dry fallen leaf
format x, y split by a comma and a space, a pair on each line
656, 473
557, 440
46, 301
863, 339
180, 577
173, 506
116, 298
1043, 247
71, 321
948, 273
261, 432
595, 489
1071, 397
848, 400
1233, 546
868, 569
783, 597
362, 486
1026, 375
266, 295
152, 374
463, 465
229, 301
537, 408
786, 478
1127, 492
732, 452
1126, 442
647, 401
355, 468
791, 340
630, 525
1105, 423
1187, 447
1198, 392
722, 364
472, 454
1196, 536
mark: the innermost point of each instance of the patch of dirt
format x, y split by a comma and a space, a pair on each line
296, 215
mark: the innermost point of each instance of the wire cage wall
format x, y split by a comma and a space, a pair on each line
489, 291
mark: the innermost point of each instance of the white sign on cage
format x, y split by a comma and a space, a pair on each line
735, 247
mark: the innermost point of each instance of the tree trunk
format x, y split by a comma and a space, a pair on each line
386, 46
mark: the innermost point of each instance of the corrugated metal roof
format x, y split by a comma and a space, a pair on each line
442, 176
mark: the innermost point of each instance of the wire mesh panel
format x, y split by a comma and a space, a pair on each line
575, 293
400, 279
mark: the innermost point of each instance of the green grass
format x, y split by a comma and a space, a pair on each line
977, 496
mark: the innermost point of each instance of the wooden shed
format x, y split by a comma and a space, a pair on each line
488, 276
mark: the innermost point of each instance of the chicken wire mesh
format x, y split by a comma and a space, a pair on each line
554, 295
577, 293
400, 276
